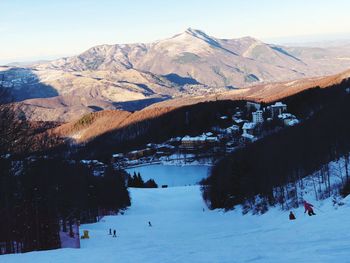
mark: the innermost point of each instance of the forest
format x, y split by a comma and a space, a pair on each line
37, 197
187, 120
288, 155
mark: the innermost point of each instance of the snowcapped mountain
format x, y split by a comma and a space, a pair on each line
132, 76
207, 60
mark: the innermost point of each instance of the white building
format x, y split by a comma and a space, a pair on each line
277, 109
288, 119
258, 116
248, 128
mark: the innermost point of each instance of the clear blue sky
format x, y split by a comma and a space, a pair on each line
34, 29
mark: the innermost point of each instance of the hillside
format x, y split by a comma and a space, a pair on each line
160, 121
109, 121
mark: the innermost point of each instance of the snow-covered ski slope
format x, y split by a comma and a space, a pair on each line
183, 232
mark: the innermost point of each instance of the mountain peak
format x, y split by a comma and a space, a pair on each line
196, 33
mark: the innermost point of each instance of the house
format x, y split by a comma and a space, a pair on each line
117, 157
212, 140
277, 109
140, 153
248, 128
257, 116
203, 140
232, 130
246, 138
288, 119
238, 121
189, 142
166, 149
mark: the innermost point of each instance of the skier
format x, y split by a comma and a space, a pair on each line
149, 223
114, 233
291, 216
308, 207
110, 231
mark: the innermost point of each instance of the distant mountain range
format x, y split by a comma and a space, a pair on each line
133, 76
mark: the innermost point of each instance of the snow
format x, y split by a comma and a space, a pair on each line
183, 232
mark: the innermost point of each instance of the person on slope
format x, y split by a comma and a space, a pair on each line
291, 216
308, 207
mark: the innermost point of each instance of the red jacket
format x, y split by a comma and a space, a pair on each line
308, 207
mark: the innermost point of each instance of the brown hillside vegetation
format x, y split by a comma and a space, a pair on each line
96, 124
266, 93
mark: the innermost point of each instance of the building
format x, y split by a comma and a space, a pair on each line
277, 109
288, 119
232, 130
203, 140
117, 157
257, 116
140, 153
238, 121
253, 106
248, 128
246, 138
189, 142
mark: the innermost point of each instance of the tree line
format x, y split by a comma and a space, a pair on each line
137, 181
287, 156
38, 196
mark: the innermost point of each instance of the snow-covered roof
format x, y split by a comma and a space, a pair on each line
292, 122
248, 126
279, 104
232, 128
200, 138
239, 120
212, 139
196, 138
117, 155
284, 116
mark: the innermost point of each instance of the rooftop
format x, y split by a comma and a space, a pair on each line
279, 104
248, 126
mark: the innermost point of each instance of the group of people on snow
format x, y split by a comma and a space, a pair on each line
114, 232
308, 208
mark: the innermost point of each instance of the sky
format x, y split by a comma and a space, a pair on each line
42, 29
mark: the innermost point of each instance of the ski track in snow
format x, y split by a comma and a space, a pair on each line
182, 232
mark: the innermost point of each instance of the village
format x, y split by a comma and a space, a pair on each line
246, 125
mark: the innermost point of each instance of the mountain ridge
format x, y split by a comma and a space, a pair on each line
132, 76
